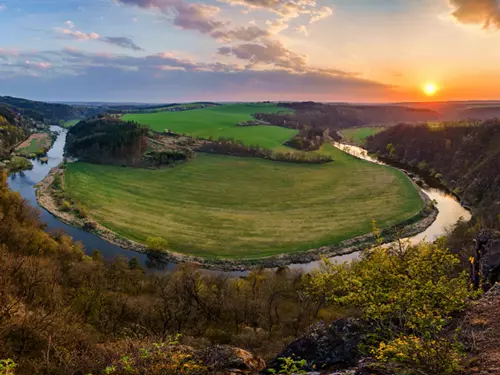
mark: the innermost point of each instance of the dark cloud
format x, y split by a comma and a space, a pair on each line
478, 12
121, 42
77, 75
200, 17
185, 15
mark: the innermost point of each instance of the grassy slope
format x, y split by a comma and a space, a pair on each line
219, 121
221, 206
70, 123
358, 135
37, 143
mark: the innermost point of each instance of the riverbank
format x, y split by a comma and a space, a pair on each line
69, 215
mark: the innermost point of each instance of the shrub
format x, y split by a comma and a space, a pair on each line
157, 243
421, 355
65, 206
290, 366
82, 210
7, 367
401, 289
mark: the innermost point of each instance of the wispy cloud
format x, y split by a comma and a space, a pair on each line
123, 42
120, 41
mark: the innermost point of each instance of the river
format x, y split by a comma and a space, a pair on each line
450, 211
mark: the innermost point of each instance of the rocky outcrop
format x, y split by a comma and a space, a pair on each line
327, 347
486, 262
481, 334
227, 359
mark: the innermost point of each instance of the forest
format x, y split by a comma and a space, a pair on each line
465, 155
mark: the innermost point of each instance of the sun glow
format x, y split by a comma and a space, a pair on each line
430, 89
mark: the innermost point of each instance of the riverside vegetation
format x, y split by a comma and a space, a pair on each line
67, 313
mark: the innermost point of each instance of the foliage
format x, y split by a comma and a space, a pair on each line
464, 153
409, 293
18, 163
416, 355
237, 148
107, 140
290, 366
7, 367
157, 243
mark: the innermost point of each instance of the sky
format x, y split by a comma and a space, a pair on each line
248, 50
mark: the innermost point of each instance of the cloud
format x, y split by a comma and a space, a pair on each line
286, 10
269, 52
121, 42
70, 24
477, 12
39, 65
9, 52
302, 29
321, 13
78, 34
189, 16
176, 85
200, 17
244, 33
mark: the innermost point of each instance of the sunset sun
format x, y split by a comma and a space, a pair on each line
430, 89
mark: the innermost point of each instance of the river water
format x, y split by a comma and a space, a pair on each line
450, 211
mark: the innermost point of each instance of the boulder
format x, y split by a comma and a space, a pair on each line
229, 360
333, 346
486, 266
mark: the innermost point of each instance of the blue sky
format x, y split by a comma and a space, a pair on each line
182, 50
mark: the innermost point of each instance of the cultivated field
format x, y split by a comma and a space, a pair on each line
219, 121
359, 135
231, 207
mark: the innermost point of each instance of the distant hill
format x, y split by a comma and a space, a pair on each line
12, 130
48, 112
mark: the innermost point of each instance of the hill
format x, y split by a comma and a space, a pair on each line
48, 112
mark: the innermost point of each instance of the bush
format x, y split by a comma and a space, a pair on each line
420, 355
57, 182
82, 210
401, 289
157, 243
65, 206
7, 367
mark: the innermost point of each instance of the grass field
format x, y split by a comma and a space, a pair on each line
36, 143
359, 135
219, 121
70, 123
230, 207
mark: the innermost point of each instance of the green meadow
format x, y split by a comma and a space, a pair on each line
219, 121
359, 135
243, 208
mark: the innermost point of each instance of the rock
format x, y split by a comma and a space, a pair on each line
226, 359
326, 346
486, 258
89, 226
